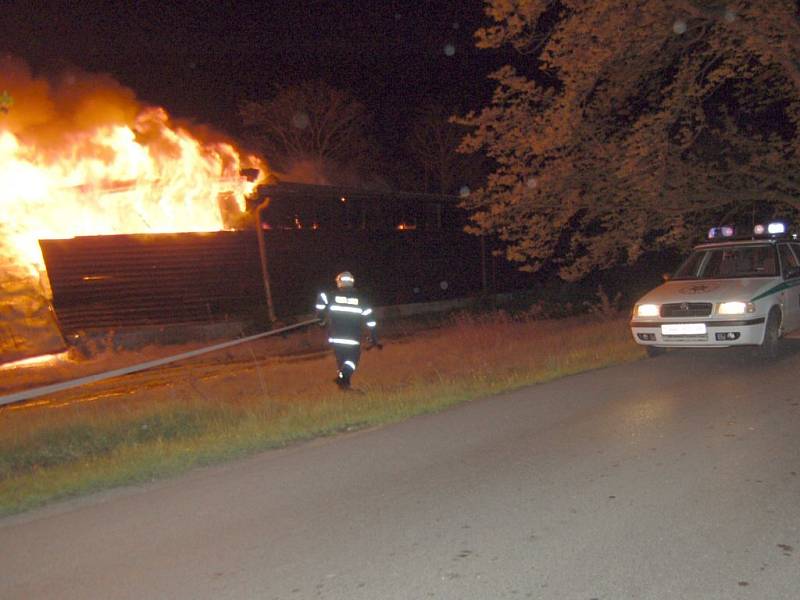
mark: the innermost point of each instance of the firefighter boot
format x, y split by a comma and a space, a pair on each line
343, 380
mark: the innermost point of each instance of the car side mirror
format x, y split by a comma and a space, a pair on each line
792, 273
666, 276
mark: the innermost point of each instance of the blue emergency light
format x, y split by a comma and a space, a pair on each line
726, 231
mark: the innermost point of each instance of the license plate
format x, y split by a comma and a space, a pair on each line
683, 329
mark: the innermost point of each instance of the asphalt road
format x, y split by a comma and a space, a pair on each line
677, 477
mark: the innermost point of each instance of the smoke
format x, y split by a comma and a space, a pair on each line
51, 112
48, 112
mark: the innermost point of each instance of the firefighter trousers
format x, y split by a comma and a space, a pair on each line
346, 360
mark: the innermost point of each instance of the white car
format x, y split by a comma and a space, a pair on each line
729, 292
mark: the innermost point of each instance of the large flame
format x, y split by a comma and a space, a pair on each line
80, 156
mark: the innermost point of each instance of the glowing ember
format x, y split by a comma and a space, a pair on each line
47, 359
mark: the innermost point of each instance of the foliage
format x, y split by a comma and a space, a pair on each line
605, 307
310, 123
629, 123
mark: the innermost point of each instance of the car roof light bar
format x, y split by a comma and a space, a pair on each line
773, 228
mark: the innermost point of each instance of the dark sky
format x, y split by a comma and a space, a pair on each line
199, 59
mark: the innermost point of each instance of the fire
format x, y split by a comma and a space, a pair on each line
100, 163
45, 359
80, 155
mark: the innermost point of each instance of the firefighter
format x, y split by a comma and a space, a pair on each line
344, 312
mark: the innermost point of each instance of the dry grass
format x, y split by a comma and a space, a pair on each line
161, 422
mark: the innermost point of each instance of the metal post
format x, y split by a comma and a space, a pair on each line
262, 251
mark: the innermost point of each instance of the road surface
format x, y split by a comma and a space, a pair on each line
677, 477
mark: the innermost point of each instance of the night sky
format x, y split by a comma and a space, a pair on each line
200, 59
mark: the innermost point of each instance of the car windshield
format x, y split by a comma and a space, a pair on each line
722, 262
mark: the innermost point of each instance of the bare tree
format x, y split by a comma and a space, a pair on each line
311, 123
433, 142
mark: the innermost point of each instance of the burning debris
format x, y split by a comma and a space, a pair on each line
79, 155
26, 322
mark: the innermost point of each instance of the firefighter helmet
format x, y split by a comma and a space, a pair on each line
345, 279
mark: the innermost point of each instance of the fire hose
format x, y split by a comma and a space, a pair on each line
66, 385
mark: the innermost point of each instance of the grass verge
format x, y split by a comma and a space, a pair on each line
158, 424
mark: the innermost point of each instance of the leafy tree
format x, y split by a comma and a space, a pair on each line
627, 123
311, 126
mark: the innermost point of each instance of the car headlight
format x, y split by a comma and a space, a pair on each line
647, 310
736, 308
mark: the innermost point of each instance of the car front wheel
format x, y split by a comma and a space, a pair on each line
770, 348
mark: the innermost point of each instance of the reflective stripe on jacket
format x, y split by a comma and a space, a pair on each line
345, 312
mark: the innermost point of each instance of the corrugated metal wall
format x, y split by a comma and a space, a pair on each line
391, 267
117, 281
109, 282
134, 280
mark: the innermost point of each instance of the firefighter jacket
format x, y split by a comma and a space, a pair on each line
345, 312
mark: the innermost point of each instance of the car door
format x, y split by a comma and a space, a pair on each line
790, 269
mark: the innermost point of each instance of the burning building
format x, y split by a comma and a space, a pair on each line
116, 217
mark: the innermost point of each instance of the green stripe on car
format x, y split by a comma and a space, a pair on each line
778, 288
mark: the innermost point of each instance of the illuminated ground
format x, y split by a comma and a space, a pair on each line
667, 478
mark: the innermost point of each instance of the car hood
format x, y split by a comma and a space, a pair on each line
710, 290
